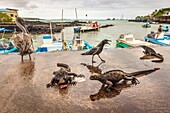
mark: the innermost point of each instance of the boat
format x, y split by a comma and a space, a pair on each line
128, 41
78, 44
5, 30
163, 39
90, 26
165, 28
146, 25
50, 45
7, 47
6, 51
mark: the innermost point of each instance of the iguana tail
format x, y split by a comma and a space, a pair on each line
141, 73
158, 56
64, 66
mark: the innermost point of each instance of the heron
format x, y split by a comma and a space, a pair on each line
97, 50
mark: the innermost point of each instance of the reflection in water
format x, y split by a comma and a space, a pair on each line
93, 69
63, 91
26, 70
152, 57
103, 93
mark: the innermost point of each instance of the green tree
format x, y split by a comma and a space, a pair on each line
5, 18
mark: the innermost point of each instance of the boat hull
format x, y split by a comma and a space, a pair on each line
120, 44
162, 42
76, 30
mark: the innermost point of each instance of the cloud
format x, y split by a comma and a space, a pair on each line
23, 4
94, 8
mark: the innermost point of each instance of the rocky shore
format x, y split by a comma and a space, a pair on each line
38, 27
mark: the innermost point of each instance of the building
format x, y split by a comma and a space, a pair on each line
11, 13
167, 13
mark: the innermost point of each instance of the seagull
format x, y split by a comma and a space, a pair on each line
23, 40
97, 50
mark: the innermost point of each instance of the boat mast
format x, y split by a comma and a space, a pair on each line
51, 29
76, 14
62, 33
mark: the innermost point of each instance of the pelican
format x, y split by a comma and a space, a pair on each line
23, 41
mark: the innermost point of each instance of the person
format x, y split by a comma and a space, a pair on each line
151, 35
159, 31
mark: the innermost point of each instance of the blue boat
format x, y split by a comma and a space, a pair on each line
50, 45
5, 30
163, 39
6, 51
165, 28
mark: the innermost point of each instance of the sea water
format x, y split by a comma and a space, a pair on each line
111, 33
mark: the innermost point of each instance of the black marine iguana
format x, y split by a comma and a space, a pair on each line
97, 50
149, 52
63, 76
112, 77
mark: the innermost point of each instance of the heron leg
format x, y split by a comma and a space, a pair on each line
92, 59
30, 56
101, 58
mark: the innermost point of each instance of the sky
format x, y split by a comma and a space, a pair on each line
95, 9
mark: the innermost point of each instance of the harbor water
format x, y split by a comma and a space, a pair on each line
112, 32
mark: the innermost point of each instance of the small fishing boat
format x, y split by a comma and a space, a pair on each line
165, 28
5, 30
50, 45
146, 25
128, 41
90, 26
163, 39
6, 50
7, 47
79, 44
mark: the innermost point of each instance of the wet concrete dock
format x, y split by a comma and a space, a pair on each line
23, 84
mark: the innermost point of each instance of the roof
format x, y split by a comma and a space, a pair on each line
4, 10
11, 9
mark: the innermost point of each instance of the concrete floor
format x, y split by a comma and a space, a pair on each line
23, 84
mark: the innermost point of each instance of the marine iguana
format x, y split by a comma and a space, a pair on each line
63, 76
150, 52
112, 77
97, 50
93, 69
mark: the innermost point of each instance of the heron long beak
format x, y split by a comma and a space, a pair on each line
109, 41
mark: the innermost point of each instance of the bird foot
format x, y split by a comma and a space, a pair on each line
93, 61
103, 61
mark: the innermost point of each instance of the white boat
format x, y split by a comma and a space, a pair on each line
50, 45
127, 41
79, 44
90, 26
